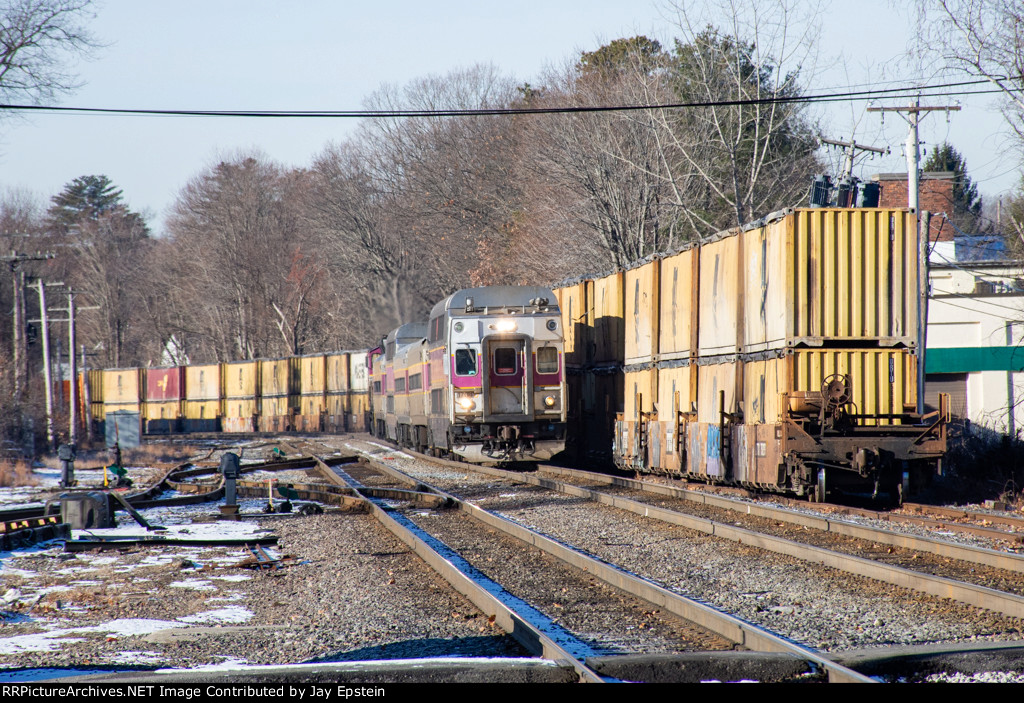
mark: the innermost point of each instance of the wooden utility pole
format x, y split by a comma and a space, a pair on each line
913, 118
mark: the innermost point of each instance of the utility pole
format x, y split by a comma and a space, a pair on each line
850, 149
47, 375
73, 393
14, 261
913, 119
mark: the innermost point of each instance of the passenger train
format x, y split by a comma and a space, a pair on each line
482, 379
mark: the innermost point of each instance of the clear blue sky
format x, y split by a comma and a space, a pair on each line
330, 55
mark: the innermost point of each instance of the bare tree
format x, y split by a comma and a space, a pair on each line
985, 38
249, 269
37, 38
748, 150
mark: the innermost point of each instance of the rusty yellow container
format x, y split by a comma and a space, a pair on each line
609, 323
827, 276
678, 305
337, 372
202, 392
577, 320
312, 375
121, 388
642, 315
641, 393
712, 381
359, 411
677, 385
240, 379
720, 290
312, 404
275, 378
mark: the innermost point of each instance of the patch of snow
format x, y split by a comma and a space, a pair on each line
230, 614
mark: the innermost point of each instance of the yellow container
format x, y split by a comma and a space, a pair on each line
337, 372
121, 388
275, 377
642, 313
641, 393
678, 308
831, 276
721, 285
577, 320
312, 375
202, 383
609, 323
240, 379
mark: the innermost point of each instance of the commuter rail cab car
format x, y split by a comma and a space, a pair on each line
484, 381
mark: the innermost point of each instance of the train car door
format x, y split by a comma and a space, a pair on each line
507, 378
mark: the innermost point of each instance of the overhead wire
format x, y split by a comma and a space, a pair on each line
889, 93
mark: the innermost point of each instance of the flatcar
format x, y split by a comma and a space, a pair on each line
482, 380
780, 356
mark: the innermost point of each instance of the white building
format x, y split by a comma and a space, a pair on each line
975, 334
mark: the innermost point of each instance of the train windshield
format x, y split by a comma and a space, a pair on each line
465, 362
547, 360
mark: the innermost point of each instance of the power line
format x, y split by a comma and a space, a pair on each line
891, 93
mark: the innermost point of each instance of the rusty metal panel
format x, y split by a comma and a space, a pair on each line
121, 387
161, 410
831, 276
642, 385
337, 372
721, 277
884, 381
609, 321
678, 306
312, 374
241, 379
202, 383
243, 408
756, 456
642, 314
164, 384
358, 371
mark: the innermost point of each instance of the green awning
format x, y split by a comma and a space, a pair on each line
968, 359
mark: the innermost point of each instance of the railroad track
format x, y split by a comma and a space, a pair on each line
477, 491
477, 548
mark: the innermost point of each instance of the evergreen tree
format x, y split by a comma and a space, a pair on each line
84, 199
966, 200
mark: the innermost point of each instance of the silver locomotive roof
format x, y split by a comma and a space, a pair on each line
497, 298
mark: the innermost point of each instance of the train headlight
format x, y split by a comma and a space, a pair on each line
466, 402
549, 401
505, 325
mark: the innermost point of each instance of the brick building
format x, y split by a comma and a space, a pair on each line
935, 194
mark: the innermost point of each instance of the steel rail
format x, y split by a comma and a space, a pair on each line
530, 637
729, 626
969, 594
978, 555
